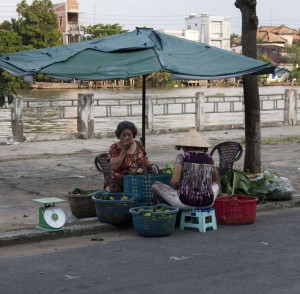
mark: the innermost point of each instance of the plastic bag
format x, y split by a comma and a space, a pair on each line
281, 189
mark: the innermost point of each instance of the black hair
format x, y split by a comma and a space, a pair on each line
188, 148
125, 125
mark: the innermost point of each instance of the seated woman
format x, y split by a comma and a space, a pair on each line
195, 182
126, 155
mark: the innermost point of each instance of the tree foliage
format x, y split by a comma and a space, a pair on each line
38, 24
36, 28
6, 25
235, 39
101, 30
293, 53
8, 85
160, 79
263, 78
10, 41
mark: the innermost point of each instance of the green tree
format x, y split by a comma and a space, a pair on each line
38, 24
293, 53
252, 162
101, 30
293, 57
10, 41
263, 78
6, 25
160, 79
36, 28
235, 39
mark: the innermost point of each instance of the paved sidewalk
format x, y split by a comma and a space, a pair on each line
32, 170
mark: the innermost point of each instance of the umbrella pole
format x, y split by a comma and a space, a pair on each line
144, 110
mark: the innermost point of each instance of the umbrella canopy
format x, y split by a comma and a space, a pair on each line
137, 53
140, 52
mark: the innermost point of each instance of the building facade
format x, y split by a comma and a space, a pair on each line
211, 30
68, 20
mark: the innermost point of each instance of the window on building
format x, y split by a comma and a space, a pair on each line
216, 28
60, 21
73, 39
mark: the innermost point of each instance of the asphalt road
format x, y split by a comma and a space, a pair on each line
260, 258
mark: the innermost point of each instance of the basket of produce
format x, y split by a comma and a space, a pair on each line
154, 221
169, 169
81, 203
113, 208
235, 209
140, 184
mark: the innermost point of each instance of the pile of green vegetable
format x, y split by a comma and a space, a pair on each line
266, 186
164, 211
79, 191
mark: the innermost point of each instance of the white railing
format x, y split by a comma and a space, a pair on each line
163, 113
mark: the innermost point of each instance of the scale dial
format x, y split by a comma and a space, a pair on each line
54, 217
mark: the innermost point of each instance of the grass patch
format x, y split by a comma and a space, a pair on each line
274, 141
219, 94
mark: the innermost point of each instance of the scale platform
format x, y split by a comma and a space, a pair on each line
51, 218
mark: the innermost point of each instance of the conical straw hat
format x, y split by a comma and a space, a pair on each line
192, 139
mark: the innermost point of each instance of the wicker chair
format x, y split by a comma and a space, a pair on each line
229, 152
103, 166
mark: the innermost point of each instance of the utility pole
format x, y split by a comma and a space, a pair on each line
94, 12
203, 24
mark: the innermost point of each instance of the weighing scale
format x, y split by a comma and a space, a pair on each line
51, 218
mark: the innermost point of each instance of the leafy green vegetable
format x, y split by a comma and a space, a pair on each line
235, 182
262, 187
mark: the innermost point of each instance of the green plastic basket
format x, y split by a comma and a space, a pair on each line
115, 212
149, 221
141, 185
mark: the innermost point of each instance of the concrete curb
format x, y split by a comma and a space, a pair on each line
92, 227
35, 235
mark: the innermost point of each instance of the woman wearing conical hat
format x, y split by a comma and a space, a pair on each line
195, 182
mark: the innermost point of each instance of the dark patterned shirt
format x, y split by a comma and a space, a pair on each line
128, 166
195, 187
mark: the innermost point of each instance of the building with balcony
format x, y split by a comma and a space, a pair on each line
68, 20
211, 30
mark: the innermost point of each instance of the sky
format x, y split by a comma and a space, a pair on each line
170, 14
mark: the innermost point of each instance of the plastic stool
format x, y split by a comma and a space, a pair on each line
200, 219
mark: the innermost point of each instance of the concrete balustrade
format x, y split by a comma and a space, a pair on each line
85, 116
206, 110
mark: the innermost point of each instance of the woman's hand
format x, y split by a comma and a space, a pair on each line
126, 146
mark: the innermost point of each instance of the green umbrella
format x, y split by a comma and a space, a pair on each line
137, 53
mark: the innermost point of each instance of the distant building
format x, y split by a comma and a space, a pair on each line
175, 33
281, 36
68, 20
237, 49
211, 30
271, 43
275, 53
